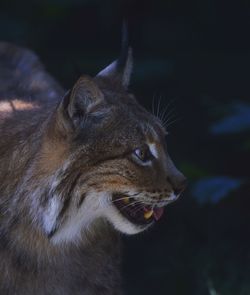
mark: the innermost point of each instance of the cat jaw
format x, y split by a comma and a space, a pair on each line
95, 206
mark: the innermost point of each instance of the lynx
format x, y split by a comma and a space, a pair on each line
77, 168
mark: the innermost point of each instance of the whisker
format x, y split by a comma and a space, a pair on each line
138, 209
174, 121
153, 105
160, 105
148, 128
165, 122
165, 109
130, 204
124, 198
135, 194
170, 102
168, 114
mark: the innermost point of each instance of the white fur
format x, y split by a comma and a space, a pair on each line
51, 213
36, 211
171, 198
153, 150
81, 218
95, 205
49, 217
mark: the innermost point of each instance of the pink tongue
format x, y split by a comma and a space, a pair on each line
158, 213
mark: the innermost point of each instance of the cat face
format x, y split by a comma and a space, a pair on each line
116, 164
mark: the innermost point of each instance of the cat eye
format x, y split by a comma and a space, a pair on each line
143, 154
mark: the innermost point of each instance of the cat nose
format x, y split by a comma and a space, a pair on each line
180, 186
178, 183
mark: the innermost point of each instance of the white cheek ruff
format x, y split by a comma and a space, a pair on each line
78, 220
94, 206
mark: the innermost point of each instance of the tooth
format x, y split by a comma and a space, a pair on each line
148, 214
125, 200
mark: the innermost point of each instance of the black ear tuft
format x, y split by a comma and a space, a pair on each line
122, 60
121, 69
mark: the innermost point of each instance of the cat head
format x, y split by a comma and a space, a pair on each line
109, 159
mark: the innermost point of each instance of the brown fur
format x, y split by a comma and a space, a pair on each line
56, 149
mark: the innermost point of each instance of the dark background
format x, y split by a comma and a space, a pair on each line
193, 56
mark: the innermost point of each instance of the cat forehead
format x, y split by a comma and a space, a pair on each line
127, 106
118, 96
143, 131
146, 126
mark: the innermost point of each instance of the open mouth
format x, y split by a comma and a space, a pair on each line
136, 212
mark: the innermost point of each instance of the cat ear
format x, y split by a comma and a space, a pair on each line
120, 70
82, 100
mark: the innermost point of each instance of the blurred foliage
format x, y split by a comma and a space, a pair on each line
213, 189
197, 54
237, 121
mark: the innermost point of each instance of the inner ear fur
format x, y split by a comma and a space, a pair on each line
80, 101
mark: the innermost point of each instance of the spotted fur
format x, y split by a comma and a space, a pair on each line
63, 157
